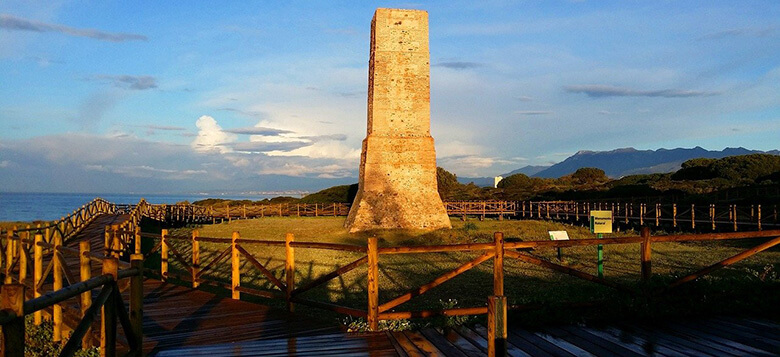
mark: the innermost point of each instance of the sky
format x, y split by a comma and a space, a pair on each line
178, 97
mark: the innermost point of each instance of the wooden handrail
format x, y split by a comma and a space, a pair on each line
494, 250
468, 247
329, 246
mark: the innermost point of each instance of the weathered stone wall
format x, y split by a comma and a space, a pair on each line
397, 187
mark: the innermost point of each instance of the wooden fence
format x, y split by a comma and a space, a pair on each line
54, 282
286, 288
699, 218
65, 227
229, 212
708, 217
108, 302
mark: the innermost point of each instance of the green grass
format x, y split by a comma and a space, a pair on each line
742, 288
38, 341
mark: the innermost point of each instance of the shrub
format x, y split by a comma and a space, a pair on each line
38, 341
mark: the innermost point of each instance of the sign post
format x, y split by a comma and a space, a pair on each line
559, 235
600, 223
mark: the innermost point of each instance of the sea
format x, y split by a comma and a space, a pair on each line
27, 207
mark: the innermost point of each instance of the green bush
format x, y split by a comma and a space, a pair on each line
38, 341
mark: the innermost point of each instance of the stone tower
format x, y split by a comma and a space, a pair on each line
397, 187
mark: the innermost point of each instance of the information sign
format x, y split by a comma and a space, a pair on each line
601, 221
558, 235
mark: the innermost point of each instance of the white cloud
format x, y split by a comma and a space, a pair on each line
457, 148
300, 170
474, 165
323, 150
211, 137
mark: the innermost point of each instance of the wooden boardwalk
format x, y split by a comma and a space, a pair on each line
177, 317
180, 321
712, 337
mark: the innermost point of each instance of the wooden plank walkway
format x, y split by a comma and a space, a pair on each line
709, 337
180, 321
177, 317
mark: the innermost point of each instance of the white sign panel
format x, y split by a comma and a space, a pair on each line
558, 235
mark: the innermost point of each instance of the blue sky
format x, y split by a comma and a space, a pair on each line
203, 96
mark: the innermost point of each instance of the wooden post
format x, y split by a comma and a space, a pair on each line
108, 319
641, 214
12, 301
85, 270
164, 255
626, 219
22, 258
280, 210
116, 246
731, 212
9, 255
712, 216
498, 264
137, 299
497, 329
235, 264
195, 258
289, 269
693, 216
57, 285
758, 219
137, 240
645, 253
734, 207
37, 274
373, 284
243, 211
335, 212
674, 215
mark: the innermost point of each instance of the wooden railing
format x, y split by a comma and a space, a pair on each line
284, 287
229, 212
109, 302
49, 264
67, 226
482, 208
708, 217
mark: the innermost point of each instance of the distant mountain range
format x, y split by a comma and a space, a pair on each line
622, 162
